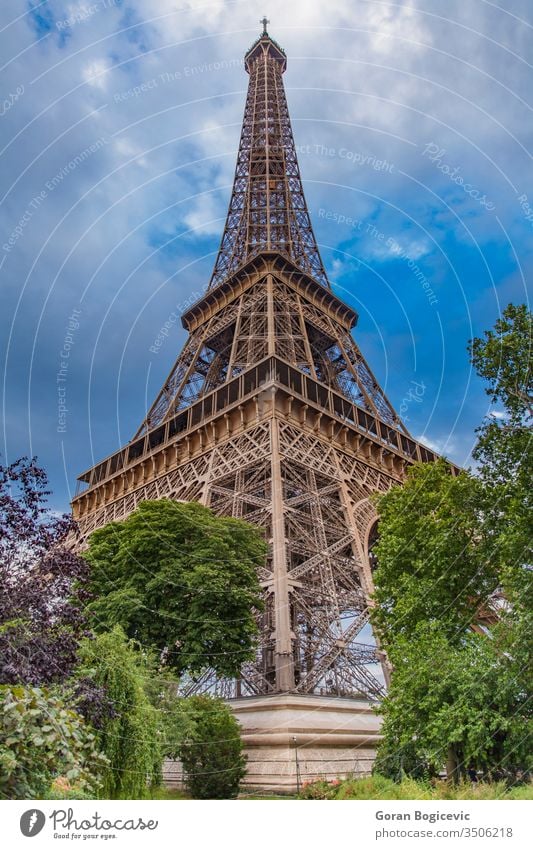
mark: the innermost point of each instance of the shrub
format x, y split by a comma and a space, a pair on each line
42, 739
127, 730
395, 761
320, 789
375, 787
62, 788
210, 747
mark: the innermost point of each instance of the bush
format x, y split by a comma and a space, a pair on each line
209, 747
396, 761
321, 789
127, 729
62, 788
41, 739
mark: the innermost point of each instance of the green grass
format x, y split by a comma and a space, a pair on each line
377, 787
169, 793
269, 796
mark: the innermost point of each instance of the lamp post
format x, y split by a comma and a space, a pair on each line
294, 740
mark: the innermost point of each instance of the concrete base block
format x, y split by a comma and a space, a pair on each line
291, 739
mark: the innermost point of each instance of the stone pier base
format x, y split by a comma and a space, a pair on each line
291, 739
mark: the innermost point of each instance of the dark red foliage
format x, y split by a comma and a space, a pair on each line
91, 700
42, 582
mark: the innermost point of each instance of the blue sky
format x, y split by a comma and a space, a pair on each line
120, 124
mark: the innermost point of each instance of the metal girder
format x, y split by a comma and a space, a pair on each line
269, 318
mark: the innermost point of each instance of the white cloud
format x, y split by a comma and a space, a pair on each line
444, 445
409, 249
95, 73
203, 216
392, 23
391, 247
337, 267
128, 150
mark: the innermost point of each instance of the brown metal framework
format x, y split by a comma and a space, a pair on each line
271, 414
267, 210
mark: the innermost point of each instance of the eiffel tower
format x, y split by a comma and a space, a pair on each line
271, 414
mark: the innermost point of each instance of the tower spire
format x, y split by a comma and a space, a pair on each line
267, 210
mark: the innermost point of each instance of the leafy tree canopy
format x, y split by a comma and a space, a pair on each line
447, 545
457, 703
505, 456
505, 444
432, 566
180, 579
503, 358
42, 583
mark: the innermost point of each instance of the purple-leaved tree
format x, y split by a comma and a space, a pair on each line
42, 583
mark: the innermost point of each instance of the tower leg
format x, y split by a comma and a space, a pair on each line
284, 661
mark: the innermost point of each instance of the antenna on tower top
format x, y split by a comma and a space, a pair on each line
264, 22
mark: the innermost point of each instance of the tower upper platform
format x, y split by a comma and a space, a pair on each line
265, 46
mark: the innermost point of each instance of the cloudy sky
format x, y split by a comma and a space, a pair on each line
120, 123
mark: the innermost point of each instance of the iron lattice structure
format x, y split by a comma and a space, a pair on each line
271, 414
267, 210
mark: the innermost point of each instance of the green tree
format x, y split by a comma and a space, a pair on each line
505, 443
432, 566
204, 735
448, 545
505, 456
453, 703
41, 739
432, 580
503, 358
128, 731
396, 760
182, 580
